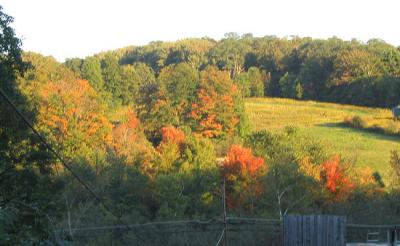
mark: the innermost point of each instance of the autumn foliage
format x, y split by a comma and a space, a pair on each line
128, 137
214, 112
73, 117
172, 134
242, 171
240, 161
335, 179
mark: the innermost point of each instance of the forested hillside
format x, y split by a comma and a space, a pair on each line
153, 130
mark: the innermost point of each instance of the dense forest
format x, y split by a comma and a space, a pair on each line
152, 130
304, 68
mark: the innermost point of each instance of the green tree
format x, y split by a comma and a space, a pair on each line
154, 55
186, 172
169, 101
256, 82
299, 90
112, 77
130, 84
243, 83
191, 51
91, 71
229, 54
145, 73
272, 56
288, 85
354, 64
179, 83
74, 64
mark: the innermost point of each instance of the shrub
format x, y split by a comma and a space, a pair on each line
242, 171
358, 122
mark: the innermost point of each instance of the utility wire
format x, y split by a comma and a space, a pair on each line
254, 220
371, 226
220, 238
168, 223
64, 163
179, 223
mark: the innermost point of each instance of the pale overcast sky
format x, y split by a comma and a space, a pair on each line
78, 28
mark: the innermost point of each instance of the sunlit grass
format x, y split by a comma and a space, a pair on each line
321, 120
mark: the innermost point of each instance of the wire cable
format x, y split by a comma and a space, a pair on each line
168, 223
371, 226
220, 238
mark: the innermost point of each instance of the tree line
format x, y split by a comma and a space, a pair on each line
333, 70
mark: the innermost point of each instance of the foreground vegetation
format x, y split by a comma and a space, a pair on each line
152, 131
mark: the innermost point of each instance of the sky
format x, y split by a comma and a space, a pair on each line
79, 28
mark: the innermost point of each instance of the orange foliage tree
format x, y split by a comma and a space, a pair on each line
242, 172
170, 149
172, 134
214, 113
72, 117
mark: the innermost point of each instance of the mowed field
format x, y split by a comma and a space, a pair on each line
322, 121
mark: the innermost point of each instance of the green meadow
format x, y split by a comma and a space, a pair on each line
323, 121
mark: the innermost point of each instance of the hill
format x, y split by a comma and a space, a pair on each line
323, 121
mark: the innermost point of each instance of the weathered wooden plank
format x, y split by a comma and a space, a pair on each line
314, 230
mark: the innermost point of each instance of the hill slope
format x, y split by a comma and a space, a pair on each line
321, 120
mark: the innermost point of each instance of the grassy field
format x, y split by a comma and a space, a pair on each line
322, 121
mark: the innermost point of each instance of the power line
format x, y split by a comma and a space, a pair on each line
371, 226
63, 162
220, 238
179, 223
169, 223
254, 220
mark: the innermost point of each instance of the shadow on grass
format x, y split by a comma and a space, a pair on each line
378, 134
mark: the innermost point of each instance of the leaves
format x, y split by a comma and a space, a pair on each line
242, 171
72, 116
129, 140
214, 113
334, 176
241, 161
171, 134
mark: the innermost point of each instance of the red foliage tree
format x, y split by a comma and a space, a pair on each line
242, 171
334, 177
240, 161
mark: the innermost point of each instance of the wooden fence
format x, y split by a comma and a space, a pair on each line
314, 230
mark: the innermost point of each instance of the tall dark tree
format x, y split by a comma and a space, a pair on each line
230, 53
75, 64
27, 189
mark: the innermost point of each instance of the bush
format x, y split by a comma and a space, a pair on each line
386, 126
358, 122
392, 128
